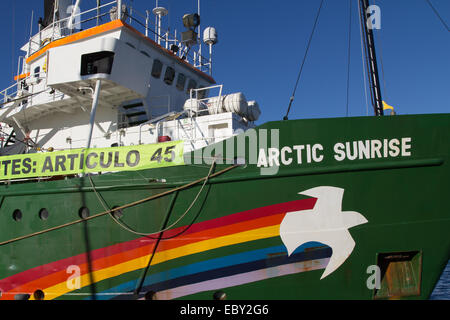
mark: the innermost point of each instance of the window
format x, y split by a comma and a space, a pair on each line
191, 85
202, 94
157, 68
97, 62
37, 70
169, 75
181, 81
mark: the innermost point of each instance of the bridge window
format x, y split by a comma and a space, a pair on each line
37, 72
202, 94
191, 85
181, 81
97, 62
157, 68
169, 75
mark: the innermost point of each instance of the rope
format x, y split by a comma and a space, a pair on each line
362, 58
380, 45
349, 55
438, 15
121, 207
162, 230
303, 62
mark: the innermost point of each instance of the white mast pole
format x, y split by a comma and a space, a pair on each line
93, 111
156, 24
159, 28
74, 10
119, 9
210, 58
199, 37
29, 41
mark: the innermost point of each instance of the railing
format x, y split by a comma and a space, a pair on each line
15, 92
96, 16
206, 101
8, 93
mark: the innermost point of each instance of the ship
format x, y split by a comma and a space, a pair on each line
128, 173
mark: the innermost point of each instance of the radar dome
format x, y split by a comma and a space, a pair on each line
210, 36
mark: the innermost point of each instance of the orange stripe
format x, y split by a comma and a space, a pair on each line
77, 36
61, 275
221, 231
22, 76
104, 28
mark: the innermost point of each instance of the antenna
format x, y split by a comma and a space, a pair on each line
159, 12
31, 23
31, 33
199, 40
210, 38
74, 11
371, 58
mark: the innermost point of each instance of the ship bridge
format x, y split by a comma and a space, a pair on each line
63, 62
106, 71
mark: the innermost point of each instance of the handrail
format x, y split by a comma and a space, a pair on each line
140, 19
59, 29
203, 100
16, 85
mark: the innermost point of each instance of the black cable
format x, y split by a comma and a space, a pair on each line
362, 16
141, 286
303, 62
438, 15
15, 139
349, 51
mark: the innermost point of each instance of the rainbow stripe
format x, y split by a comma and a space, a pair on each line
239, 229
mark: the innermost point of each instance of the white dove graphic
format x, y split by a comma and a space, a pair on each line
325, 223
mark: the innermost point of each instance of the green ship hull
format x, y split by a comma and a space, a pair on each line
214, 233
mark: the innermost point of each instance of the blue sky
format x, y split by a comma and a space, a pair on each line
261, 45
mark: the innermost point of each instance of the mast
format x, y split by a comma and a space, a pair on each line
371, 58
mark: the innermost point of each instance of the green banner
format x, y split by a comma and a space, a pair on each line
91, 160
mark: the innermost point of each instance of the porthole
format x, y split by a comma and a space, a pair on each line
83, 212
39, 295
43, 214
17, 215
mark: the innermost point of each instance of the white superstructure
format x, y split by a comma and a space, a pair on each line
85, 83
